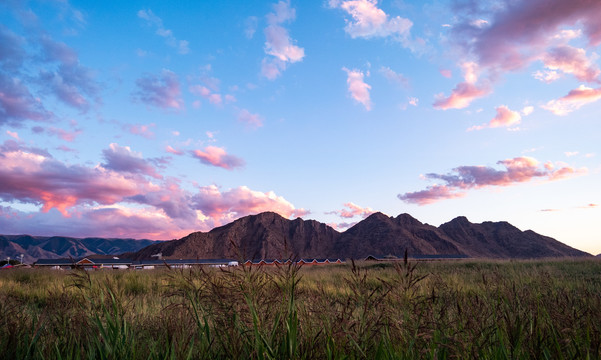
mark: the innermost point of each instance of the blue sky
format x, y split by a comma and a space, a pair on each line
149, 119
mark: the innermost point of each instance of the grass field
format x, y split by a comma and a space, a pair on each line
461, 309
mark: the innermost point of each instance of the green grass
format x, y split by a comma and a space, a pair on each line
457, 309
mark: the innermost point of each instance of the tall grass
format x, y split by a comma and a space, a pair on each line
463, 309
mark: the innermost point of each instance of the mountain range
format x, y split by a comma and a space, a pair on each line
55, 247
269, 235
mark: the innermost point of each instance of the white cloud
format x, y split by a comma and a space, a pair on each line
358, 89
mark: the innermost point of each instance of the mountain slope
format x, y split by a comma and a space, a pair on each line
503, 240
268, 235
379, 234
42, 247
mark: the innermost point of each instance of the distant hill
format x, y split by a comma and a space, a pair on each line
55, 247
269, 235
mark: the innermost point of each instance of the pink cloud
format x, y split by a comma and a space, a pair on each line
393, 76
272, 68
251, 120
123, 160
216, 156
279, 45
571, 60
278, 42
64, 134
32, 176
141, 130
106, 221
342, 226
203, 91
60, 133
222, 207
574, 100
461, 96
171, 150
431, 195
351, 210
161, 91
505, 117
463, 178
370, 21
446, 73
93, 201
358, 89
65, 148
12, 134
520, 31
465, 92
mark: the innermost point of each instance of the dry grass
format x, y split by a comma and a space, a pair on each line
461, 309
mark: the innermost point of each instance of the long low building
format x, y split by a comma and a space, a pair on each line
90, 263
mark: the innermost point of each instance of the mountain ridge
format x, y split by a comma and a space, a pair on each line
269, 235
55, 247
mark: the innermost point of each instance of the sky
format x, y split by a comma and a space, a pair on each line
154, 119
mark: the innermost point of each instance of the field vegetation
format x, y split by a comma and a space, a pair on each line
462, 309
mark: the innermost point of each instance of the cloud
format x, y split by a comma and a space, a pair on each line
546, 76
250, 26
505, 117
351, 210
203, 91
527, 110
520, 33
12, 134
171, 150
370, 21
141, 130
216, 156
278, 43
17, 104
342, 226
71, 83
123, 160
464, 178
12, 54
161, 91
358, 89
95, 201
64, 134
465, 92
170, 39
394, 77
33, 176
272, 68
222, 207
571, 60
98, 221
574, 100
251, 120
446, 73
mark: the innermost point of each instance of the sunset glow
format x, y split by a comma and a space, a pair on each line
150, 119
